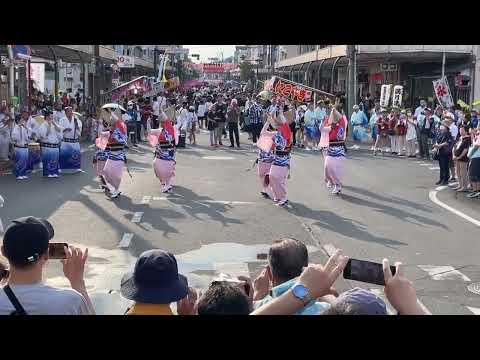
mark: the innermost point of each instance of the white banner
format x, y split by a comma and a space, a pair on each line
125, 61
442, 91
37, 74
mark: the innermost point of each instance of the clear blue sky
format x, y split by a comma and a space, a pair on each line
210, 51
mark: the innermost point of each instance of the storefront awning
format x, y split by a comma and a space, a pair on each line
57, 52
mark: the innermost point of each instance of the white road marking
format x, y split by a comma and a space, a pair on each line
217, 158
381, 295
474, 310
137, 217
444, 272
434, 168
433, 197
146, 199
425, 164
125, 242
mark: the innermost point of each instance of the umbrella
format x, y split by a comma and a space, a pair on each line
113, 106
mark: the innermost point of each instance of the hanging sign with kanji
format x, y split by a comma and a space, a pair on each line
442, 91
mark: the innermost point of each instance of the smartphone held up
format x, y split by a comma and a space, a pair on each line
366, 271
57, 250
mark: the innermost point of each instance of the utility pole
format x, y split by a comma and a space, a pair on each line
443, 64
351, 80
155, 60
12, 78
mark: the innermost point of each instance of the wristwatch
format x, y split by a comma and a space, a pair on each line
302, 293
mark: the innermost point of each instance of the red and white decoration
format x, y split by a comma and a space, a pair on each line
442, 91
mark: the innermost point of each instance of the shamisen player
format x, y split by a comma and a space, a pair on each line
280, 168
164, 163
116, 158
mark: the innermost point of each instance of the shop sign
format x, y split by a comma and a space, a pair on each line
125, 61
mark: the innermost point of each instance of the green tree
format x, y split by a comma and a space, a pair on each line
246, 71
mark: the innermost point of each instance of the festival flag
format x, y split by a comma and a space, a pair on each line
442, 91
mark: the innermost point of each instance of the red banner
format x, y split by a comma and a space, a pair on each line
292, 91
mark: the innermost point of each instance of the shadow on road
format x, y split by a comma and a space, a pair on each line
400, 214
392, 199
344, 226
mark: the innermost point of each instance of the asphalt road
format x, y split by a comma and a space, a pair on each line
215, 221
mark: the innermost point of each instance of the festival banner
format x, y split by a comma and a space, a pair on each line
442, 91
291, 90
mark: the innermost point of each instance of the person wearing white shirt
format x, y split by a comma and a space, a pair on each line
420, 109
20, 139
192, 125
50, 134
182, 121
6, 126
70, 155
201, 112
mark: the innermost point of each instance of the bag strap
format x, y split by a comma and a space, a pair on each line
13, 299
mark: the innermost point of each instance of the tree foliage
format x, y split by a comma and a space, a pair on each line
246, 71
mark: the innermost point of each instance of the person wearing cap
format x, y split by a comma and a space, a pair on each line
453, 128
382, 141
154, 284
26, 247
357, 301
50, 134
443, 148
220, 117
70, 154
425, 127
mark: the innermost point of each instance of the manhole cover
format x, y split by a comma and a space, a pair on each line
474, 288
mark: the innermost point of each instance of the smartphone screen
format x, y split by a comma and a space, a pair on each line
57, 250
365, 271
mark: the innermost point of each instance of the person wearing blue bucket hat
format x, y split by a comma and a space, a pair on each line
154, 284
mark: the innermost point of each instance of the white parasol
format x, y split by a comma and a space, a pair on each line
113, 106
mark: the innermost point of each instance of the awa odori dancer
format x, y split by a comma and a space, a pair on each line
101, 154
265, 158
50, 134
116, 158
20, 139
164, 139
279, 171
70, 155
335, 152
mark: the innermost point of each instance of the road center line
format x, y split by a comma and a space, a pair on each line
125, 242
433, 197
224, 202
137, 217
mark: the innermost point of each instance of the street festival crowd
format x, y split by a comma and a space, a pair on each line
288, 284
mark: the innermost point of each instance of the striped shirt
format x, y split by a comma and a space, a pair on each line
255, 114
